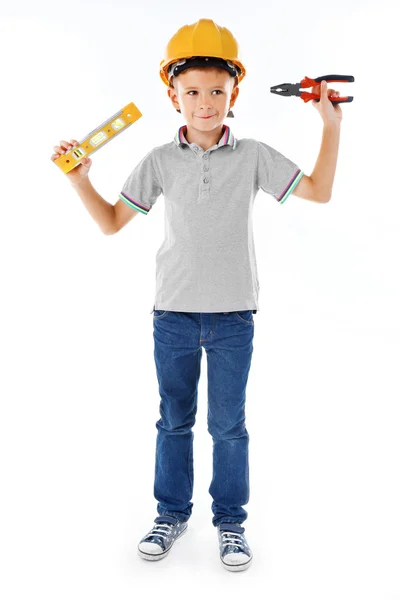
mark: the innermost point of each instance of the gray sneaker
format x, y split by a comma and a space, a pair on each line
234, 550
158, 542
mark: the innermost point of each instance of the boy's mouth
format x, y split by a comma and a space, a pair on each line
207, 117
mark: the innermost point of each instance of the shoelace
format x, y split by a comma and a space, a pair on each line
158, 531
232, 539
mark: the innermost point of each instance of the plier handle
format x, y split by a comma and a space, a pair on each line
294, 89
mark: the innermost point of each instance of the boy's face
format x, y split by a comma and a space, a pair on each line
203, 92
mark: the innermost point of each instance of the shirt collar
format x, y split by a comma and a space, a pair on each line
227, 138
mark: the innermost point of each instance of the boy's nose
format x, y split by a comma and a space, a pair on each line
204, 99
204, 103
204, 110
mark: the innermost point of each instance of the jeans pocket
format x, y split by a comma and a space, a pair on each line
245, 316
159, 314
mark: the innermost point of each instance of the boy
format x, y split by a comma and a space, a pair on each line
207, 284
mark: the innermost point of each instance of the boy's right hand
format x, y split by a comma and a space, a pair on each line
79, 173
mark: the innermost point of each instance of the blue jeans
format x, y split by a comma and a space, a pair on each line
228, 341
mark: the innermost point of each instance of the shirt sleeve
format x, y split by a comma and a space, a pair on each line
142, 188
276, 174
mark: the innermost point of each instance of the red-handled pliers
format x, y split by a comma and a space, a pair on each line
294, 89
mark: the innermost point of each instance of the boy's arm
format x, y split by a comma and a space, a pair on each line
102, 211
305, 189
123, 214
318, 186
325, 167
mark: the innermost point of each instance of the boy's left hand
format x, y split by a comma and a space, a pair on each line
330, 113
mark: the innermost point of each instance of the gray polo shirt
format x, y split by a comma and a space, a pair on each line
207, 261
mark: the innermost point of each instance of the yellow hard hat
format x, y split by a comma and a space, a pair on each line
202, 43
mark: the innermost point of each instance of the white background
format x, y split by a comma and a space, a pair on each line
79, 394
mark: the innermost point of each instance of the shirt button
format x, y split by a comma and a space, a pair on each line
206, 168
205, 180
205, 156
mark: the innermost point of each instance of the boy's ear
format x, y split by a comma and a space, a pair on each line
173, 95
234, 95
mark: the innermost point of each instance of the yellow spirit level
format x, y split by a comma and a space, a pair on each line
100, 136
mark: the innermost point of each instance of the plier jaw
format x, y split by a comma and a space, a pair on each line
295, 89
286, 89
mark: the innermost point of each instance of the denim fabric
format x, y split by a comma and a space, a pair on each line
178, 341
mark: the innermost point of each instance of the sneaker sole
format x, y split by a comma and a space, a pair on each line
241, 567
148, 556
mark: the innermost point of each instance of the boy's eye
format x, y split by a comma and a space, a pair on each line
195, 91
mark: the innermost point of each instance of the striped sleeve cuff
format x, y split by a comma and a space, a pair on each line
290, 187
133, 203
